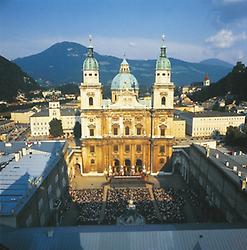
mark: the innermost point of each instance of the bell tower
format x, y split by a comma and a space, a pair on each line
163, 88
90, 89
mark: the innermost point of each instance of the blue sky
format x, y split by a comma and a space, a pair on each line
194, 29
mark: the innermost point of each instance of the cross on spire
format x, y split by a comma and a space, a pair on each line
163, 40
90, 38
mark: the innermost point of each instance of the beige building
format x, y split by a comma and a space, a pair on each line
39, 122
126, 133
21, 116
204, 124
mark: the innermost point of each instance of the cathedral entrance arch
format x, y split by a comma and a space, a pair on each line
138, 165
127, 164
116, 165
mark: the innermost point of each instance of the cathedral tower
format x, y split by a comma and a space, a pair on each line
163, 88
90, 89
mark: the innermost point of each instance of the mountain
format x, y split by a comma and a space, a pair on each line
216, 62
13, 79
234, 84
62, 62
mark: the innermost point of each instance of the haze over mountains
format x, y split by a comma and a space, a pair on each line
62, 62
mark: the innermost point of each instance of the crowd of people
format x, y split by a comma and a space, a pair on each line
170, 204
89, 203
118, 199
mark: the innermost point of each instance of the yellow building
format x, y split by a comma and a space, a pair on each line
126, 134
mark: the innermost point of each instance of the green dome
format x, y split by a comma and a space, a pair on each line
163, 63
124, 81
90, 62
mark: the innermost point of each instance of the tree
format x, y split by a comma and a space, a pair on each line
77, 130
235, 137
56, 128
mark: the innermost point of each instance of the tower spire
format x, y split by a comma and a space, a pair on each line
90, 46
163, 47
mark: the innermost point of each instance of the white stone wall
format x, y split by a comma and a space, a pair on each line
205, 126
90, 77
39, 126
163, 77
95, 93
160, 91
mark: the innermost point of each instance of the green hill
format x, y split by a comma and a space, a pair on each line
13, 79
234, 83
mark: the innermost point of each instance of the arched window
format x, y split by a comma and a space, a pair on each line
163, 101
127, 130
90, 100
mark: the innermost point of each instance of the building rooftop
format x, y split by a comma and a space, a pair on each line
145, 237
23, 172
209, 114
64, 112
2, 122
227, 164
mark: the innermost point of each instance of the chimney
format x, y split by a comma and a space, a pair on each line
24, 151
243, 185
208, 151
227, 163
17, 156
217, 156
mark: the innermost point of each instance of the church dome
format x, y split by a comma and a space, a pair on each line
124, 79
163, 63
90, 62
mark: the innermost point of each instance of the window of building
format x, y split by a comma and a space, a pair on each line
158, 74
162, 131
29, 221
90, 74
162, 149
92, 149
163, 74
40, 203
115, 131
115, 148
138, 131
92, 161
90, 101
95, 74
49, 189
163, 101
85, 74
138, 148
162, 161
127, 148
127, 130
91, 132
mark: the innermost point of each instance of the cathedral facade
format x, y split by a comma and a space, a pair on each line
127, 134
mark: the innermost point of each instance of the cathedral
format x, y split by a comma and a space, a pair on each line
127, 134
